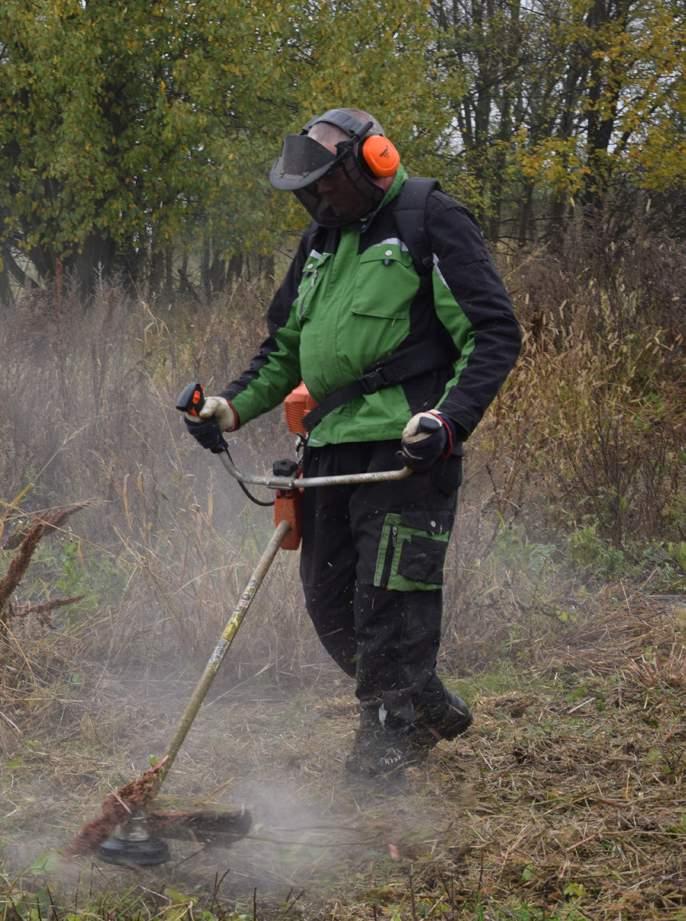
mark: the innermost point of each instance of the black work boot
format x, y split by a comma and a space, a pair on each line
446, 720
379, 751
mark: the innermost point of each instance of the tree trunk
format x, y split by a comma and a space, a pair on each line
235, 266
205, 267
6, 296
526, 214
93, 264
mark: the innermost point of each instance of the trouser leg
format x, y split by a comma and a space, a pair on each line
328, 558
372, 570
398, 634
397, 645
401, 532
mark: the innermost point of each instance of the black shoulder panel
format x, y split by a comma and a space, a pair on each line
409, 214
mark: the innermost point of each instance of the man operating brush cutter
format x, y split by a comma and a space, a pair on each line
394, 317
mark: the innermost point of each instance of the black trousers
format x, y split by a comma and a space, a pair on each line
372, 570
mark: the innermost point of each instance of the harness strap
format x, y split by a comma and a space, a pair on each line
397, 368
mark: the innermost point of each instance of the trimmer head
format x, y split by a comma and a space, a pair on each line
140, 841
133, 845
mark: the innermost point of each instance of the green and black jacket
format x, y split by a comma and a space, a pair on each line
352, 296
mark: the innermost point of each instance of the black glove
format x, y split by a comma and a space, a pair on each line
426, 438
207, 433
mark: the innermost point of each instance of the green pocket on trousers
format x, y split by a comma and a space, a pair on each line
412, 550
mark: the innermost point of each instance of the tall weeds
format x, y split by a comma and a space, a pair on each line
587, 433
599, 397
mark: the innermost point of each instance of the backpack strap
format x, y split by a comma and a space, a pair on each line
409, 212
398, 367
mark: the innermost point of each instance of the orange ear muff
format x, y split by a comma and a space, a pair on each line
380, 156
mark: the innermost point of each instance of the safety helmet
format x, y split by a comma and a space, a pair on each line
365, 155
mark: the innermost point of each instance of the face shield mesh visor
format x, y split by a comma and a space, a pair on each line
302, 161
332, 187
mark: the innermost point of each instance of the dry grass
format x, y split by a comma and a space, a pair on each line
587, 434
565, 802
596, 405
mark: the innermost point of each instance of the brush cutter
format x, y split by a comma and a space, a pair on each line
128, 832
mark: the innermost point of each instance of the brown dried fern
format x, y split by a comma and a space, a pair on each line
40, 525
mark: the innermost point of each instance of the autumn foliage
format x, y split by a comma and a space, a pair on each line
136, 138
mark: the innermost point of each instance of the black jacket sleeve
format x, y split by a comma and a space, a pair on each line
482, 308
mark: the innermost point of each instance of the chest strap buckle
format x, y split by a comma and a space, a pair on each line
374, 380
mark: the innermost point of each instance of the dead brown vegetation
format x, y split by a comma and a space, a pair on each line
117, 808
25, 541
568, 796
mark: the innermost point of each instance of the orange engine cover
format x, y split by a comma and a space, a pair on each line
298, 404
287, 508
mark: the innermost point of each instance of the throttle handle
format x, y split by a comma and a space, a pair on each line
191, 399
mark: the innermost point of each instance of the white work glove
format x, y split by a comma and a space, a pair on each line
216, 416
221, 412
426, 438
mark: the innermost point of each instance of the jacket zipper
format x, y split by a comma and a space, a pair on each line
388, 559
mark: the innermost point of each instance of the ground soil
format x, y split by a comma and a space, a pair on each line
567, 798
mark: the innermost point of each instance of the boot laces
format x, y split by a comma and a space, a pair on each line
392, 758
